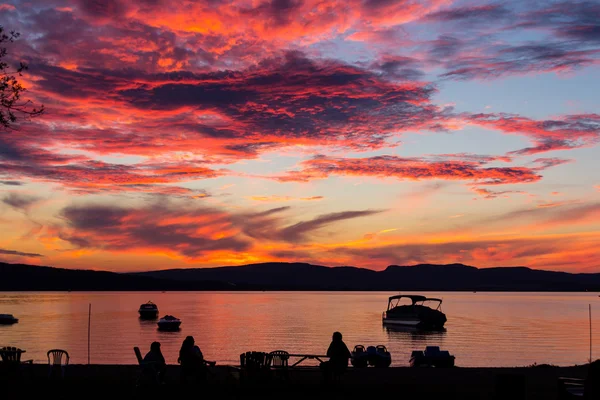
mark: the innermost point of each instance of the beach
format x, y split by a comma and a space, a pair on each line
80, 381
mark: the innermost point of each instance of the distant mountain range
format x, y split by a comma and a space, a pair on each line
15, 277
300, 276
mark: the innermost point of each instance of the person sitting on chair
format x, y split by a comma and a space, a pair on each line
338, 354
192, 360
155, 357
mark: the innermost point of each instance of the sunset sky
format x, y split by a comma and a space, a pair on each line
339, 132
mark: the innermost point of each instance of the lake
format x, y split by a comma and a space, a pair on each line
483, 329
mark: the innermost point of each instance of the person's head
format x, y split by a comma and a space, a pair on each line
336, 336
188, 342
155, 346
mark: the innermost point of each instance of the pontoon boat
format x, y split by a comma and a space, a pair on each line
417, 314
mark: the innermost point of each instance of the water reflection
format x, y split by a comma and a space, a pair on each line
495, 330
415, 335
147, 323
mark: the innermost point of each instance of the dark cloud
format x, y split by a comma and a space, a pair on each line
299, 230
490, 13
19, 253
294, 99
12, 183
186, 230
103, 10
445, 47
497, 61
20, 201
399, 68
586, 33
571, 131
575, 20
158, 227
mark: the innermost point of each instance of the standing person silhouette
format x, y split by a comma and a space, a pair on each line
338, 354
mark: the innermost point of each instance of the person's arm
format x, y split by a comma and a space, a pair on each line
330, 351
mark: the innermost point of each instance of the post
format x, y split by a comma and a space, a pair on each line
590, 312
89, 328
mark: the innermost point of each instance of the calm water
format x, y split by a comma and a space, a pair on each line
483, 329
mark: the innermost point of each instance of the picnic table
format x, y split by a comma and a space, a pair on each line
307, 357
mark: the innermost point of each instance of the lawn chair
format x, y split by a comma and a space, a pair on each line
11, 362
149, 372
255, 366
279, 363
55, 363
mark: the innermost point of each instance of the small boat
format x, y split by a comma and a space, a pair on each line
417, 314
376, 356
431, 357
8, 319
359, 357
379, 357
148, 310
169, 323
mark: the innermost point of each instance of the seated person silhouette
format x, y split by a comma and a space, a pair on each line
193, 364
155, 357
338, 354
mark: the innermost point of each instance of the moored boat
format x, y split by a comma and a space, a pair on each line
8, 319
148, 310
431, 357
417, 314
169, 323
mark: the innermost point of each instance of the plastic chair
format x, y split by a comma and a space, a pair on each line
56, 363
279, 362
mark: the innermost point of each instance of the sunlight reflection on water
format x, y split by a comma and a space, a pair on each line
483, 329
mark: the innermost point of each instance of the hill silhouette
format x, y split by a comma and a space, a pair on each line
32, 277
423, 277
300, 276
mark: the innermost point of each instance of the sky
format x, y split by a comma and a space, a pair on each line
356, 132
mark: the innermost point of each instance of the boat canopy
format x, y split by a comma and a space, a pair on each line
415, 298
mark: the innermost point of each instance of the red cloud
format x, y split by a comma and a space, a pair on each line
410, 168
85, 175
568, 132
225, 116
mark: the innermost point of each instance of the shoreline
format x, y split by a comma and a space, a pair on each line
539, 382
319, 290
